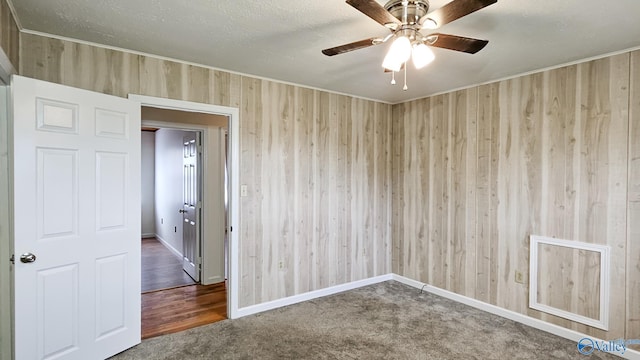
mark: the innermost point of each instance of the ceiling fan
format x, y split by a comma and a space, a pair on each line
405, 19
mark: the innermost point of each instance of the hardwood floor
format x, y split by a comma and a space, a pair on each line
180, 304
178, 309
161, 269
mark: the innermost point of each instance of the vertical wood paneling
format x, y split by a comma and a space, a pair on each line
488, 116
461, 276
398, 205
303, 254
80, 65
324, 218
316, 165
41, 58
9, 35
556, 143
343, 249
604, 120
447, 193
633, 223
169, 79
542, 154
384, 172
518, 183
438, 178
278, 201
251, 169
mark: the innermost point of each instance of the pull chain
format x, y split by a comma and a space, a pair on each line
393, 77
405, 77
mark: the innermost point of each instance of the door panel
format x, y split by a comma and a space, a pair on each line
112, 178
76, 208
191, 206
57, 193
58, 311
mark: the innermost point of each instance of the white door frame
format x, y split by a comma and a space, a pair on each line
6, 244
234, 184
6, 221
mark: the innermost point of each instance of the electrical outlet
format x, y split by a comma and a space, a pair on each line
519, 277
175, 229
280, 265
161, 220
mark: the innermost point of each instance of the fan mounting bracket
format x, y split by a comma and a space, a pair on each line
409, 12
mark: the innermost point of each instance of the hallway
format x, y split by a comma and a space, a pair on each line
171, 301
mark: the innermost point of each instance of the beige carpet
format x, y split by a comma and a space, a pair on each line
383, 321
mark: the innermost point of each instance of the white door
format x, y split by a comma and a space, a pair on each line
191, 205
77, 222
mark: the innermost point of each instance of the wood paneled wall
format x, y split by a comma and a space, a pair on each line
317, 165
9, 34
477, 171
459, 181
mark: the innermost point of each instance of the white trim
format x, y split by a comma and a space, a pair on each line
508, 314
234, 185
603, 321
173, 250
254, 309
6, 226
149, 235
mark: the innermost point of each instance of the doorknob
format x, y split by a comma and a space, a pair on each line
27, 258
182, 211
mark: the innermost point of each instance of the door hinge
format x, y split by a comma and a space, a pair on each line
13, 259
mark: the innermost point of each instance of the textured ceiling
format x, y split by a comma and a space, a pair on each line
282, 39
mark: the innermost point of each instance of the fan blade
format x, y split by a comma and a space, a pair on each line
455, 10
375, 11
458, 43
350, 47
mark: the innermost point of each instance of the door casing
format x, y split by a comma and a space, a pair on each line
6, 246
6, 286
233, 221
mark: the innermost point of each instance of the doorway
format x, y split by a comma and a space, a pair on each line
190, 219
163, 197
233, 168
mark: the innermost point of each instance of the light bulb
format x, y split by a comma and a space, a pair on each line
429, 23
422, 55
398, 54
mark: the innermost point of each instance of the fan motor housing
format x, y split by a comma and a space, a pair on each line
415, 9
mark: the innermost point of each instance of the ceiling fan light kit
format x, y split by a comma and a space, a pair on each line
422, 55
405, 19
398, 54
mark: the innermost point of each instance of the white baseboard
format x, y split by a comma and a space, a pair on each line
168, 246
511, 315
148, 235
254, 309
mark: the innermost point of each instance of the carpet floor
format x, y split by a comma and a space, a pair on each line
384, 321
